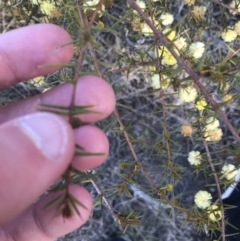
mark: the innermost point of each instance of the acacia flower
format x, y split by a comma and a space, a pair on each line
180, 43
211, 124
227, 97
186, 130
47, 7
194, 158
187, 94
189, 2
237, 27
203, 199
213, 135
235, 5
229, 172
201, 104
155, 82
100, 24
169, 33
229, 35
146, 30
141, 4
166, 19
137, 25
167, 57
91, 4
196, 50
214, 214
198, 12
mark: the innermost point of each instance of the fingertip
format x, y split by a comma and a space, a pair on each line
93, 90
23, 50
58, 226
94, 141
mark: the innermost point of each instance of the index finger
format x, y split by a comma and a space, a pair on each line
24, 49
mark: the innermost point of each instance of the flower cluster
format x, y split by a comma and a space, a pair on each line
214, 214
232, 32
212, 132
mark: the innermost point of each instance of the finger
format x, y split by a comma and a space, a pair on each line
39, 224
91, 90
35, 150
94, 141
24, 49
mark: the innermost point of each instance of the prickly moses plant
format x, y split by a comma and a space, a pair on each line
174, 134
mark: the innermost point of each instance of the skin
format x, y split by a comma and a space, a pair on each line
25, 170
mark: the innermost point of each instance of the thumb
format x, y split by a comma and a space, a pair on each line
34, 152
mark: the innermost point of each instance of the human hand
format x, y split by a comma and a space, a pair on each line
36, 148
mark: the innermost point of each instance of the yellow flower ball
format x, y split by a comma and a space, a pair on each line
91, 4
211, 124
187, 94
213, 135
100, 24
235, 7
137, 25
169, 33
166, 56
196, 50
194, 158
214, 214
227, 98
203, 199
198, 12
141, 4
201, 104
229, 35
186, 130
146, 30
166, 19
47, 7
229, 172
180, 43
157, 83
